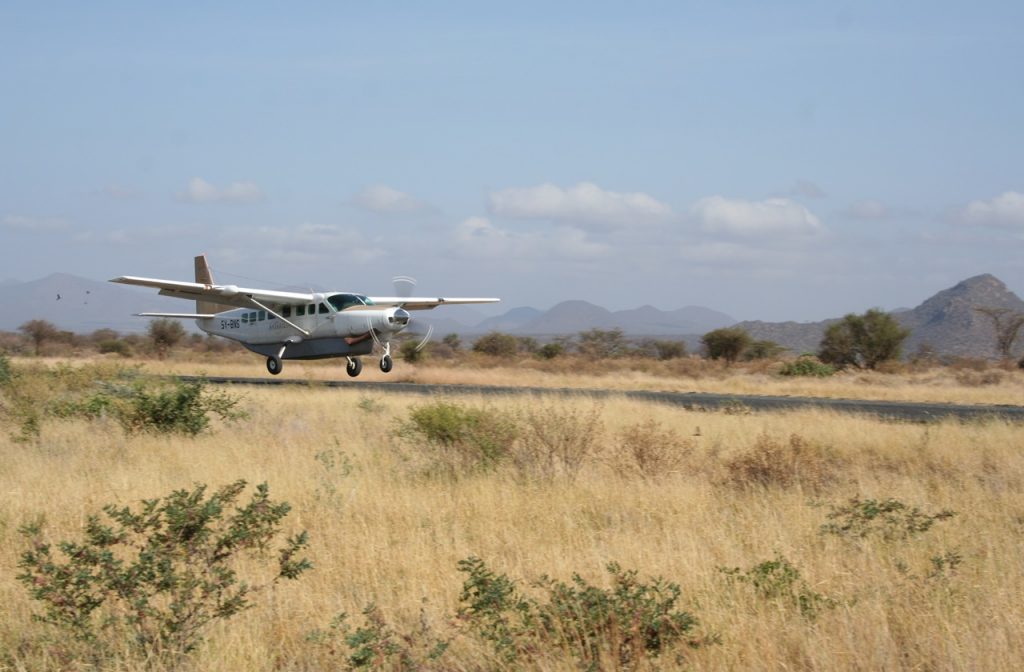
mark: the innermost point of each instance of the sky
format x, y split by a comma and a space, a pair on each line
777, 161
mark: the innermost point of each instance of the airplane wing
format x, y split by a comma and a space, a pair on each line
424, 303
226, 295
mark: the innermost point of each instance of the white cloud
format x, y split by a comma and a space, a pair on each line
201, 191
479, 237
586, 203
384, 200
868, 209
1005, 211
770, 217
34, 224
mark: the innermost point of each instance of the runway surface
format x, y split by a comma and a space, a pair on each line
893, 410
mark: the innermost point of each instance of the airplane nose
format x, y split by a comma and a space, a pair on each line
401, 316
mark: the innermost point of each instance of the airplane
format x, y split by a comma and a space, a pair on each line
295, 325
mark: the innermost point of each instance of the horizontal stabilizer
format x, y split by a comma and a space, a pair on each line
183, 316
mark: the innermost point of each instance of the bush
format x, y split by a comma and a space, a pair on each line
411, 352
728, 343
497, 344
376, 645
650, 451
890, 519
462, 440
807, 366
177, 408
770, 462
157, 577
618, 628
763, 350
550, 350
553, 441
779, 580
114, 346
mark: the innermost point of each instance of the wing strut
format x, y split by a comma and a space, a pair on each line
278, 316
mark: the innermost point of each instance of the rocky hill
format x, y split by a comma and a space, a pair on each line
948, 323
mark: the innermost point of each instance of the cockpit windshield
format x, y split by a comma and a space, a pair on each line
342, 301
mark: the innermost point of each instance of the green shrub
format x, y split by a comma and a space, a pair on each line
552, 350
461, 439
411, 352
5, 369
616, 628
114, 346
807, 366
726, 343
890, 519
779, 580
376, 645
497, 344
153, 579
179, 407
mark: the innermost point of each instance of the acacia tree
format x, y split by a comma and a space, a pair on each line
165, 334
1007, 325
603, 343
727, 343
863, 341
39, 331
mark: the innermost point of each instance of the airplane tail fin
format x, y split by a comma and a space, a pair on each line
204, 276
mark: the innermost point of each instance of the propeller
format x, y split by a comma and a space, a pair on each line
404, 285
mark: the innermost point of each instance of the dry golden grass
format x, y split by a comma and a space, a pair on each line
382, 532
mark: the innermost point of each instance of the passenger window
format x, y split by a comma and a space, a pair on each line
311, 310
286, 311
323, 309
300, 311
263, 315
245, 318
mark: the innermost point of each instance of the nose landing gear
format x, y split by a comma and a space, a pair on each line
354, 367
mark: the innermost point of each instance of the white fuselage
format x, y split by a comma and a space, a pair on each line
317, 320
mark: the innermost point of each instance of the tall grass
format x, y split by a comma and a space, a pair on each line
384, 532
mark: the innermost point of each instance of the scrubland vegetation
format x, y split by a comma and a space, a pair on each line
532, 532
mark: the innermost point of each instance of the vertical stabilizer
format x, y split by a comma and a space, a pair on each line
204, 276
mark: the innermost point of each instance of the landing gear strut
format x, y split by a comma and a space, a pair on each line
354, 367
385, 360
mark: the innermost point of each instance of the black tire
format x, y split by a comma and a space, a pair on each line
274, 365
385, 363
354, 367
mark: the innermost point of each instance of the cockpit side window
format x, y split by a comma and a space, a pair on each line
343, 301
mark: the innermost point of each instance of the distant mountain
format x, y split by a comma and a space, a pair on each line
650, 321
513, 320
948, 322
80, 305
569, 317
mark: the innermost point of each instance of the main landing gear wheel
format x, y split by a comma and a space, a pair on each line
354, 367
274, 365
385, 363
